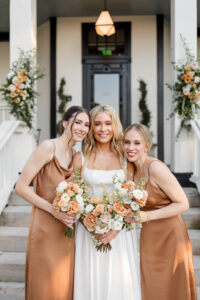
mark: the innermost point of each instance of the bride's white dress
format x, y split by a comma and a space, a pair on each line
114, 275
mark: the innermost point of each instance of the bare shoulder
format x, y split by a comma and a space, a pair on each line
160, 172
158, 167
45, 149
77, 160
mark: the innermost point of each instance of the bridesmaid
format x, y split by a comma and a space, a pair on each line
50, 255
166, 255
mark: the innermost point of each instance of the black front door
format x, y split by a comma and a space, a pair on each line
106, 78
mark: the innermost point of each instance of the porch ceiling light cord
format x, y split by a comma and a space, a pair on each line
104, 24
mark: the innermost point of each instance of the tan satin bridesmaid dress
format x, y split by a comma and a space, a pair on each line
50, 255
167, 271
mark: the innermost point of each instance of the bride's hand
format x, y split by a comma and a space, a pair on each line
107, 237
66, 219
130, 218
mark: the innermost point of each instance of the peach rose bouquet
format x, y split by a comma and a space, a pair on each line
129, 197
70, 197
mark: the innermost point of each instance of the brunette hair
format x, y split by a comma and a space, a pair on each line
144, 131
73, 111
116, 142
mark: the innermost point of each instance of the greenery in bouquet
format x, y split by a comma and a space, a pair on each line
19, 90
70, 197
186, 89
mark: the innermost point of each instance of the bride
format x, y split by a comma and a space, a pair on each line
115, 274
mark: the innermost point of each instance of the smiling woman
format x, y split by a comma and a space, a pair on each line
50, 255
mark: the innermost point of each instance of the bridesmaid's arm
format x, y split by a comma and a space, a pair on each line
162, 178
42, 155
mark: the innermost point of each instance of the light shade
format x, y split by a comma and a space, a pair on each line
104, 24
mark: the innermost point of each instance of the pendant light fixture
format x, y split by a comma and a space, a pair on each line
104, 24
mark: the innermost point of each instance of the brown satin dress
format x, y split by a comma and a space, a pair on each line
167, 271
50, 255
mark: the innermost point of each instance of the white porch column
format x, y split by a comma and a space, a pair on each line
23, 29
183, 22
23, 26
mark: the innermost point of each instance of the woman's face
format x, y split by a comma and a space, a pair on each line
79, 128
134, 145
103, 128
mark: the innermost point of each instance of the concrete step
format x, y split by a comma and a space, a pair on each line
16, 200
16, 216
11, 291
12, 266
192, 218
13, 239
196, 261
193, 196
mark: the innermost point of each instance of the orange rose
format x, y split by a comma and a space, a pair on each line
90, 221
99, 208
20, 79
120, 209
128, 185
13, 95
95, 200
190, 95
73, 207
194, 86
55, 204
25, 78
70, 193
143, 200
187, 68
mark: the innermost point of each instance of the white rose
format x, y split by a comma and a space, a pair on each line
195, 65
101, 230
64, 209
118, 218
65, 197
186, 91
117, 185
63, 184
122, 192
89, 208
116, 225
12, 87
79, 198
21, 86
135, 206
196, 79
80, 191
105, 218
138, 194
10, 74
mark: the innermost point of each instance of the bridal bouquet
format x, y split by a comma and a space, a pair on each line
104, 214
70, 197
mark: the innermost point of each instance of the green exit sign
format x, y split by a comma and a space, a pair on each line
106, 52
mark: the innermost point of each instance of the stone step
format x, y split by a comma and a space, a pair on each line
13, 239
12, 291
16, 216
192, 218
12, 266
16, 200
196, 261
193, 196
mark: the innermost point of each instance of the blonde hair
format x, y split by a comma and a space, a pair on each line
116, 142
144, 131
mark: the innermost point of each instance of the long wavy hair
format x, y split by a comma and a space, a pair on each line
116, 142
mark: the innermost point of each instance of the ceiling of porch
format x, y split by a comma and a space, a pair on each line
76, 8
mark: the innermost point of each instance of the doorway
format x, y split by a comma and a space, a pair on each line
106, 70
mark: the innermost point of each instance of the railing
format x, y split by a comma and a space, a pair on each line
16, 145
196, 174
4, 112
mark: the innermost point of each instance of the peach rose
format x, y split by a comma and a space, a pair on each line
75, 187
73, 207
141, 201
95, 200
187, 68
25, 78
90, 221
70, 193
55, 204
110, 208
128, 185
120, 209
99, 208
13, 95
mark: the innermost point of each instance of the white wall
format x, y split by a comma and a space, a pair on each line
4, 62
43, 85
144, 60
167, 93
